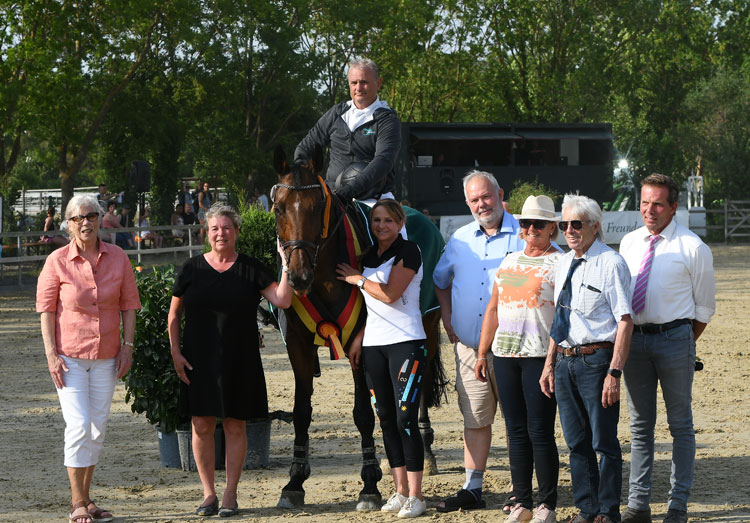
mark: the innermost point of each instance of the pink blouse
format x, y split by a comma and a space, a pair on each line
87, 301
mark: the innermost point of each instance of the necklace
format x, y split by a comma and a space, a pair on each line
545, 252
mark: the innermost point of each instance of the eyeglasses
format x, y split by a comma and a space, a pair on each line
576, 224
92, 217
538, 224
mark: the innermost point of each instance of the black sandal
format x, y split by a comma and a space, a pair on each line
510, 502
209, 510
462, 500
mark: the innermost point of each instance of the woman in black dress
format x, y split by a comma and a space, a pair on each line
218, 360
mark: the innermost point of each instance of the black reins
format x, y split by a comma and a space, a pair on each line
311, 248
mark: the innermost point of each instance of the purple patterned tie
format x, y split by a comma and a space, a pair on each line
641, 282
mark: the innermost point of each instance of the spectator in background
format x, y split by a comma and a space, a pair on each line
204, 204
110, 221
261, 199
124, 240
156, 238
178, 218
185, 197
49, 225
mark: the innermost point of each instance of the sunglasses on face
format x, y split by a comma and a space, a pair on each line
538, 224
576, 224
92, 216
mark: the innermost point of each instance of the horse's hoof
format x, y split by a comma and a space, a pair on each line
369, 502
430, 466
291, 499
385, 466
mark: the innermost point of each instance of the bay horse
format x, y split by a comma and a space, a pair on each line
315, 233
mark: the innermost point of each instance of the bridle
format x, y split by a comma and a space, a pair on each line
311, 248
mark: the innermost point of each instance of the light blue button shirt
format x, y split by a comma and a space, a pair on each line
470, 262
600, 294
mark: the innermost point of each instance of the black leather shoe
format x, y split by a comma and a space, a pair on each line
227, 512
209, 510
676, 516
632, 515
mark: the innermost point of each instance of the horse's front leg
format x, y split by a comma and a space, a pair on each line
428, 437
293, 494
364, 419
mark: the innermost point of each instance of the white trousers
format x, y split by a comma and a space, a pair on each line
85, 401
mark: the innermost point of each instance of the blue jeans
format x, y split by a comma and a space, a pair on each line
530, 421
590, 429
669, 358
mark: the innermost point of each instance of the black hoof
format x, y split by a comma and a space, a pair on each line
369, 502
291, 499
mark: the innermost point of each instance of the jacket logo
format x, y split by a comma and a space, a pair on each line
368, 132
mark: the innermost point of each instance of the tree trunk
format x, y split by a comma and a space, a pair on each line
68, 183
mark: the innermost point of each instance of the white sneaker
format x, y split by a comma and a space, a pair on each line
518, 514
413, 507
543, 514
394, 503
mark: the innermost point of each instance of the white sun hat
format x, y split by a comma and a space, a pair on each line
538, 208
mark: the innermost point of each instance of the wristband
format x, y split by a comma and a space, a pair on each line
129, 344
479, 359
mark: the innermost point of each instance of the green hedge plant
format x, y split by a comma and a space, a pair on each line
522, 190
152, 383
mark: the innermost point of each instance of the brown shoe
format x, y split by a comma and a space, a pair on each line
601, 518
579, 519
632, 515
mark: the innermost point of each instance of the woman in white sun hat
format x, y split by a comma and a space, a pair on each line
516, 327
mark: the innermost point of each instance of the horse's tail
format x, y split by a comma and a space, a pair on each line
438, 386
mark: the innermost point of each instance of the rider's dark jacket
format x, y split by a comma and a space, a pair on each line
376, 142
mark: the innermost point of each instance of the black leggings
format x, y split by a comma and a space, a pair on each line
530, 421
394, 375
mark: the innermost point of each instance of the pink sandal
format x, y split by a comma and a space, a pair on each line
99, 514
79, 513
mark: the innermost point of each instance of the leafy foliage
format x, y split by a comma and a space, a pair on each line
257, 237
522, 190
152, 383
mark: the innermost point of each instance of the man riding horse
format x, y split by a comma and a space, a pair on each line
362, 131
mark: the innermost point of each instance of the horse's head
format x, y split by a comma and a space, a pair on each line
299, 201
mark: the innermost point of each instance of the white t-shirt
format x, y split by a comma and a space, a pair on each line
389, 323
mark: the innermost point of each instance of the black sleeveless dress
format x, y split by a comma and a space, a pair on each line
220, 339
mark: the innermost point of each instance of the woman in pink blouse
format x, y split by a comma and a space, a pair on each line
85, 291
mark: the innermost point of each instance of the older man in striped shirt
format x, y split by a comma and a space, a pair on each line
590, 341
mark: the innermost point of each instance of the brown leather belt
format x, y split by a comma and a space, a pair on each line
588, 348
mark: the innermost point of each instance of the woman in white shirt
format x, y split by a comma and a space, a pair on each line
393, 352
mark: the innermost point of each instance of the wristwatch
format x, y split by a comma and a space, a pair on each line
129, 344
361, 282
615, 373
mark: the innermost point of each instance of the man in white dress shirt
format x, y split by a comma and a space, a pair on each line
674, 297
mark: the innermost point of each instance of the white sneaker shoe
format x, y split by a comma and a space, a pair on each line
518, 514
394, 503
543, 514
413, 507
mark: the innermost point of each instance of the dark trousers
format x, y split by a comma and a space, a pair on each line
395, 376
530, 421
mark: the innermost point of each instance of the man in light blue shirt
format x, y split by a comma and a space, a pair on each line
590, 339
463, 284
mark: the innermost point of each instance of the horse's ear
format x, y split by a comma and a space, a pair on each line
316, 160
279, 161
